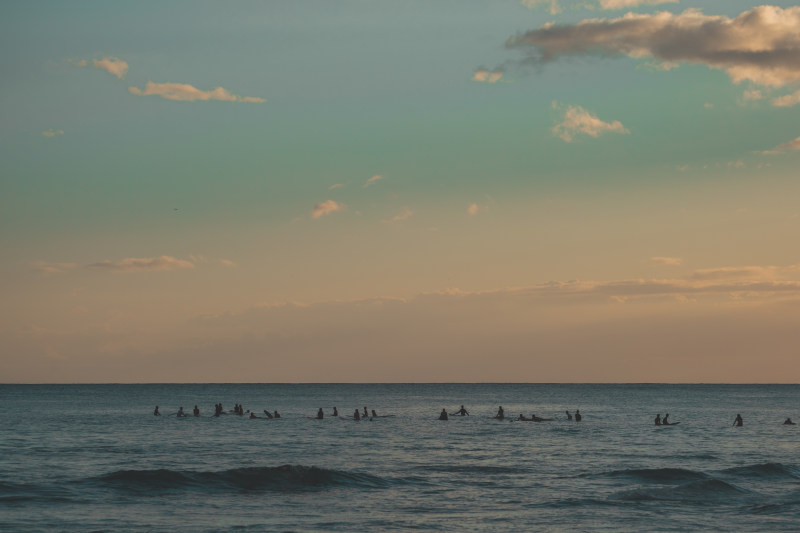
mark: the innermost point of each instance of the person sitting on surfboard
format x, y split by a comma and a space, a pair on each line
500, 413
365, 415
738, 422
569, 416
461, 412
320, 414
658, 419
788, 422
155, 412
335, 412
253, 415
196, 411
665, 420
357, 415
443, 415
277, 415
374, 414
180, 412
578, 415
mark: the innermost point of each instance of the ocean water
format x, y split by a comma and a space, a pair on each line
94, 458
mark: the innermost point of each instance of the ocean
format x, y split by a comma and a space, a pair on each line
94, 458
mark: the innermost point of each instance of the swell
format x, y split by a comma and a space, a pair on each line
709, 491
764, 470
277, 478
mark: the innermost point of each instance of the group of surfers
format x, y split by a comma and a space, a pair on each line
501, 415
356, 414
219, 410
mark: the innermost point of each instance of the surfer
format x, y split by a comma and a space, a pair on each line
356, 415
196, 411
277, 415
738, 422
155, 412
658, 419
374, 414
569, 416
788, 422
522, 418
578, 415
267, 413
253, 415
500, 413
335, 411
443, 415
461, 412
365, 415
320, 414
180, 412
666, 422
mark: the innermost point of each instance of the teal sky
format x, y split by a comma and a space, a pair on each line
127, 219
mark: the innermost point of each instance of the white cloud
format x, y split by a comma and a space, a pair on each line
553, 6
578, 120
625, 4
48, 267
184, 92
403, 215
326, 208
136, 264
760, 45
670, 261
788, 100
52, 133
487, 76
112, 65
372, 180
785, 147
753, 95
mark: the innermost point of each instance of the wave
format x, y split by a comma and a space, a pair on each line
660, 475
21, 493
709, 491
475, 469
764, 470
277, 478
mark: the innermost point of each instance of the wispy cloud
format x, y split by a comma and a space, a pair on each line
759, 45
627, 4
52, 133
785, 147
145, 264
670, 261
578, 120
228, 263
335, 186
326, 208
403, 215
48, 267
112, 65
553, 6
475, 208
372, 180
788, 100
184, 92
487, 76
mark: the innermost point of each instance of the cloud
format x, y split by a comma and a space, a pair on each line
578, 120
403, 215
184, 92
760, 45
474, 208
788, 100
52, 133
625, 4
484, 75
47, 267
553, 5
326, 208
335, 186
670, 261
753, 95
112, 65
781, 148
135, 264
78, 63
372, 180
228, 263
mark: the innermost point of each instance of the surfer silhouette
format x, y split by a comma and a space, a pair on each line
320, 414
443, 415
578, 416
500, 413
155, 412
569, 416
658, 419
461, 412
738, 422
788, 422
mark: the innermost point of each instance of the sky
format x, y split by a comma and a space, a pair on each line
415, 191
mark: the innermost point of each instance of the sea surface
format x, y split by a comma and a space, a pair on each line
94, 458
